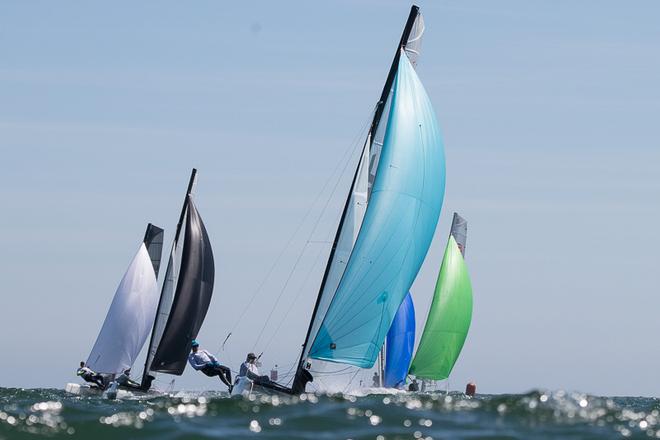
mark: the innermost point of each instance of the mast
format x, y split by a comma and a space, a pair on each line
381, 367
414, 11
191, 183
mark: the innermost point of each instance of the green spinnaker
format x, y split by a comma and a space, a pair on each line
449, 318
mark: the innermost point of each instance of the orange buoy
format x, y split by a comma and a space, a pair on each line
470, 389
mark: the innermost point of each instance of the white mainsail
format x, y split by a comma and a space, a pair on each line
129, 318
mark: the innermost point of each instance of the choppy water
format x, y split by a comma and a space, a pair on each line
27, 413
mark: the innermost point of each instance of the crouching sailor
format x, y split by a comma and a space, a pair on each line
207, 363
90, 376
125, 380
248, 375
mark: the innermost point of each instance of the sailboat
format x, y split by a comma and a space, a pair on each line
185, 295
176, 316
449, 317
133, 309
386, 226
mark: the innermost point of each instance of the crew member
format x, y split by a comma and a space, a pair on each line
90, 376
125, 380
249, 369
208, 364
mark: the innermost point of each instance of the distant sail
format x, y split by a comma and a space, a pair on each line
192, 297
153, 240
396, 232
131, 312
400, 345
450, 315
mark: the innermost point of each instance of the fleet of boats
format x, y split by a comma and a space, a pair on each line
364, 313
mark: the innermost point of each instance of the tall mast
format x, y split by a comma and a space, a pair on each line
191, 183
414, 11
380, 107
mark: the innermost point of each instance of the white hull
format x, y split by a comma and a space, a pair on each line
119, 393
246, 387
86, 390
361, 392
242, 387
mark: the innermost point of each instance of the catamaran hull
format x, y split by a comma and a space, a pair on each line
245, 387
85, 390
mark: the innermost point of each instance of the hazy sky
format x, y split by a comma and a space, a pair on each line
549, 112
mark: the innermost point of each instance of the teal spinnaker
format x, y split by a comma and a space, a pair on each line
396, 232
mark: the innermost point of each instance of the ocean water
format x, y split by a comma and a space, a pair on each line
31, 413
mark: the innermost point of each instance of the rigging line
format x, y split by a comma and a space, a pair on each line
289, 373
351, 381
312, 232
279, 296
295, 300
300, 225
316, 261
322, 373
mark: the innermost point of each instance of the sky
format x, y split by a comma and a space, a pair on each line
549, 117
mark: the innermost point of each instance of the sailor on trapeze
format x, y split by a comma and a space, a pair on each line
90, 376
208, 364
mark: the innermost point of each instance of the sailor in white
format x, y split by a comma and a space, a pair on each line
90, 375
205, 362
249, 368
125, 380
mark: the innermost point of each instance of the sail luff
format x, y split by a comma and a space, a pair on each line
448, 320
168, 272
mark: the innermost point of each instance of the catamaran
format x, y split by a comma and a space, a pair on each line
174, 318
386, 226
185, 296
133, 308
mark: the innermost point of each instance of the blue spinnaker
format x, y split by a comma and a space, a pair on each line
400, 344
396, 231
